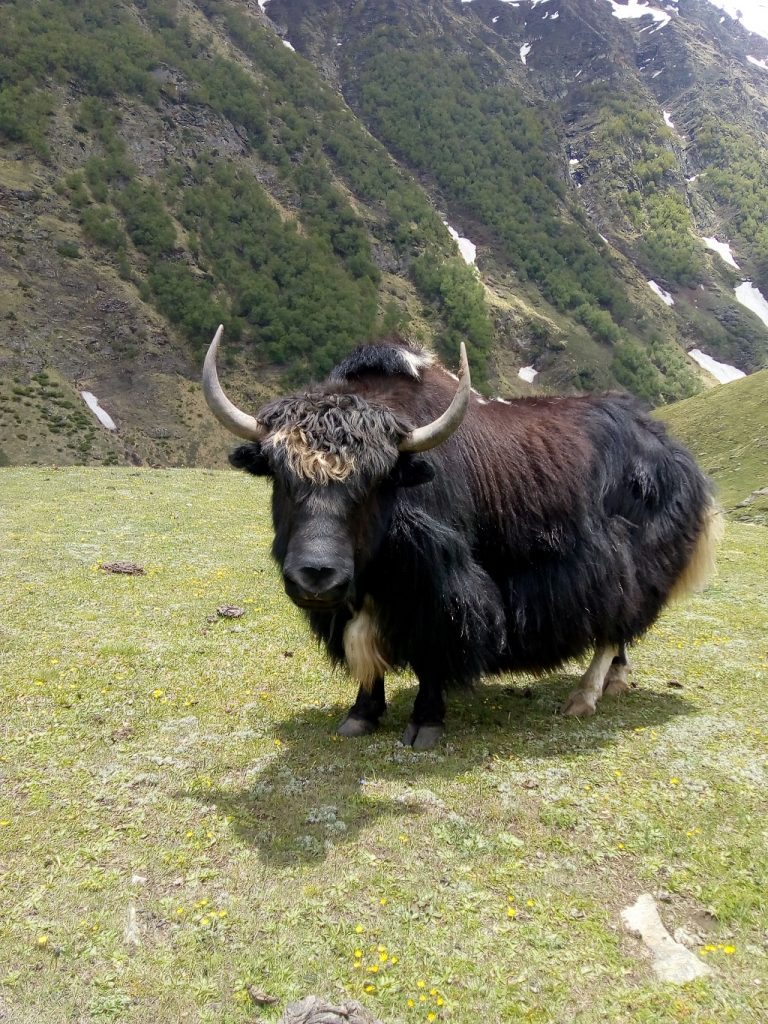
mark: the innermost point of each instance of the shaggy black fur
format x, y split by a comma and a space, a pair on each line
549, 525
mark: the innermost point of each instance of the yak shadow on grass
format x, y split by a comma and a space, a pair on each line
319, 789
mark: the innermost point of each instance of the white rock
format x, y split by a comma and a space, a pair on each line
671, 960
131, 933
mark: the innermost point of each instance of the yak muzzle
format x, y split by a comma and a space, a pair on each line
318, 587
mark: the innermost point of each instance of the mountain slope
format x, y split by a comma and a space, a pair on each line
727, 429
167, 164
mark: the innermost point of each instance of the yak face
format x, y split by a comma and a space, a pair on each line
336, 468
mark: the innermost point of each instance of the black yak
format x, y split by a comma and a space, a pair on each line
500, 536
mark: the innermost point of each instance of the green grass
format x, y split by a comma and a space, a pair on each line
153, 759
727, 429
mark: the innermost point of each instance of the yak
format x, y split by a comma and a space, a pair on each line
419, 524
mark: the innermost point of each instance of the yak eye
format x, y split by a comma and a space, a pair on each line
412, 470
251, 458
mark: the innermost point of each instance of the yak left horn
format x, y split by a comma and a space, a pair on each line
226, 412
421, 439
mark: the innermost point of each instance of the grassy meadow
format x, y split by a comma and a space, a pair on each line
727, 430
181, 829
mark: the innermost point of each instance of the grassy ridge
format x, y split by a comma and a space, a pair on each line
177, 781
727, 429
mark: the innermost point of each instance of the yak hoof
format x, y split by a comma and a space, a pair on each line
422, 737
578, 705
616, 687
352, 726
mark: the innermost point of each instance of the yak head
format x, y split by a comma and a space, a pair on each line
336, 461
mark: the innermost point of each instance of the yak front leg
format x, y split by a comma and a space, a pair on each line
583, 701
426, 725
363, 717
617, 676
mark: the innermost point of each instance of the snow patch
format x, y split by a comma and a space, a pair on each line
722, 249
751, 14
753, 299
93, 404
758, 63
525, 49
668, 119
664, 296
289, 45
467, 249
635, 9
722, 372
527, 373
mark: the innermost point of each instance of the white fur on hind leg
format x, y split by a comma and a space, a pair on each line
583, 701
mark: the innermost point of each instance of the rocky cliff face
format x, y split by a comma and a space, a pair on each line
173, 163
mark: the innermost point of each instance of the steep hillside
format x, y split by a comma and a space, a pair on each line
288, 168
727, 428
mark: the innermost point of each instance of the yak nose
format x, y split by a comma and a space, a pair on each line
319, 585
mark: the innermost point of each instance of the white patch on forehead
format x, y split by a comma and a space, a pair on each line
416, 361
363, 646
318, 466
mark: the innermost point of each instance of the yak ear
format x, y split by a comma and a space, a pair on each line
412, 470
251, 458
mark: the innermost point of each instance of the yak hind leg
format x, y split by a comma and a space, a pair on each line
363, 717
617, 677
583, 701
426, 727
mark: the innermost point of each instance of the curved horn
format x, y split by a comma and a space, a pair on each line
226, 412
421, 439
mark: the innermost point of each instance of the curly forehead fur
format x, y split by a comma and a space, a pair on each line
330, 437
